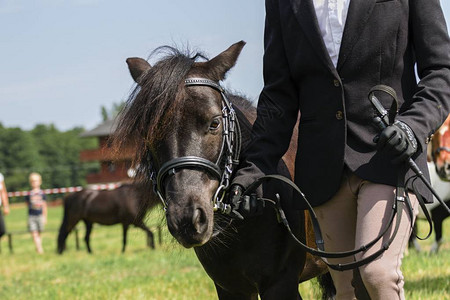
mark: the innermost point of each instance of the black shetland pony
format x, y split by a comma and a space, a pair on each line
177, 118
440, 153
106, 207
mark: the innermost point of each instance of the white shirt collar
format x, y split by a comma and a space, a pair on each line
331, 15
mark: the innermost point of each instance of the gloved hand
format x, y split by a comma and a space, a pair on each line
244, 206
398, 141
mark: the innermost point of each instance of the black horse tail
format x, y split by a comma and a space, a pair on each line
64, 230
327, 286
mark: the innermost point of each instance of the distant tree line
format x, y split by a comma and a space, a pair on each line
44, 149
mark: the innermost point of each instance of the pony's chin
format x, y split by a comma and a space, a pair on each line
190, 239
191, 243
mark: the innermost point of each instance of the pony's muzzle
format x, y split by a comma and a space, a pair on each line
190, 227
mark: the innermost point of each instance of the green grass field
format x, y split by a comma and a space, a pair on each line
169, 272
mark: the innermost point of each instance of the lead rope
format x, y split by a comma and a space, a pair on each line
396, 210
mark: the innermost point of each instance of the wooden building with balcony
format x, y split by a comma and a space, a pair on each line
114, 167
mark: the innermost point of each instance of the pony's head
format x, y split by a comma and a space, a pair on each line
440, 150
177, 131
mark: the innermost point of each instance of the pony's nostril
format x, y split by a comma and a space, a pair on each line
199, 220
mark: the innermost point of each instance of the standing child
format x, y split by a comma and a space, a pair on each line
37, 210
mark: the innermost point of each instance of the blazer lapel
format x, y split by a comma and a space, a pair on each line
306, 17
357, 17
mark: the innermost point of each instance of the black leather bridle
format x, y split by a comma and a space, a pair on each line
439, 150
227, 159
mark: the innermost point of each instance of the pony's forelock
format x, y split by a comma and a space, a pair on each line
148, 111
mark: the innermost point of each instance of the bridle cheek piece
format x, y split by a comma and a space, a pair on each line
228, 157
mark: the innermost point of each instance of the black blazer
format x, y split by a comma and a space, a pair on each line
382, 42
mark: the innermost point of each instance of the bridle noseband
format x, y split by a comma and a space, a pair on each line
222, 168
439, 150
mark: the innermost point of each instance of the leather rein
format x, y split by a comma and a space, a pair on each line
227, 159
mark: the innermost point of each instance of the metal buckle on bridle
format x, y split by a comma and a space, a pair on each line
219, 205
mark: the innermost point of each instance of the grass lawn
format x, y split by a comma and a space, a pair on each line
169, 272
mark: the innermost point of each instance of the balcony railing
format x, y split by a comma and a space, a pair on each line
106, 177
105, 154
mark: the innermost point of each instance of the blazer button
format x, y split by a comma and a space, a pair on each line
339, 115
336, 83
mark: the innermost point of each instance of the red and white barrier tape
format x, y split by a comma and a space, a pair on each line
109, 186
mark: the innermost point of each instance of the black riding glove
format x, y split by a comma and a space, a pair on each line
398, 141
244, 206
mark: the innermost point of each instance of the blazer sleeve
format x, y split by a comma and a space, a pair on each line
278, 105
429, 106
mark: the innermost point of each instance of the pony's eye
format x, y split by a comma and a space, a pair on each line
215, 124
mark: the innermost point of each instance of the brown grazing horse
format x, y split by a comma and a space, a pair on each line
440, 154
106, 207
439, 167
187, 141
440, 150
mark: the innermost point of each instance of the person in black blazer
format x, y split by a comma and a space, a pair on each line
350, 179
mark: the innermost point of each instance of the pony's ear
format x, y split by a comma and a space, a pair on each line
137, 67
222, 63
